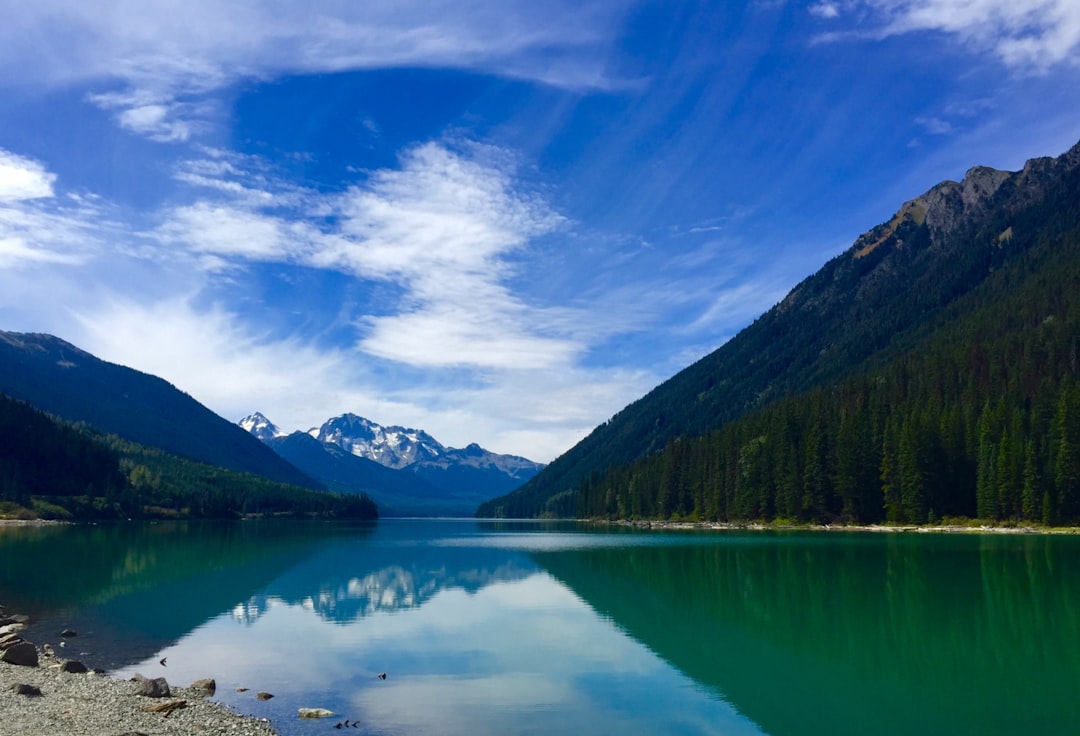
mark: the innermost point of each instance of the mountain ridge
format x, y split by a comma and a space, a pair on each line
862, 308
71, 383
405, 470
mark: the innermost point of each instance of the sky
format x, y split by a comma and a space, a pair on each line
497, 221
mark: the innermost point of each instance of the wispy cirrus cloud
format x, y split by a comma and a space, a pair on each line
158, 61
1028, 36
443, 226
36, 226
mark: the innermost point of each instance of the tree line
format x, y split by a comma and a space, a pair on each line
979, 418
53, 469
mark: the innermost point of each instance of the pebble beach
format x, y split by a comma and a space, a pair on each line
45, 699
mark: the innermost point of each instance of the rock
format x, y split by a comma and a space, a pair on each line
75, 667
16, 619
23, 653
261, 695
9, 640
11, 628
67, 633
49, 651
166, 708
156, 688
241, 689
207, 685
315, 713
28, 690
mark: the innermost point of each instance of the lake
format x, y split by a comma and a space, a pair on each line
533, 628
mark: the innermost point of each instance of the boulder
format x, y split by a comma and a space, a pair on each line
29, 691
156, 688
207, 685
67, 633
11, 628
23, 653
9, 640
18, 618
262, 695
315, 713
74, 666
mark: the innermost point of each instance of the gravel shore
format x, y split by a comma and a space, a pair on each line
91, 704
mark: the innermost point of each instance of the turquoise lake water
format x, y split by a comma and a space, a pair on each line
531, 628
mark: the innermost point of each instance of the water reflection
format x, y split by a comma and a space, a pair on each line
519, 629
868, 633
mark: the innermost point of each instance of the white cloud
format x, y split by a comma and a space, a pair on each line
441, 209
213, 356
1034, 35
36, 226
228, 231
153, 122
443, 226
825, 10
23, 178
160, 58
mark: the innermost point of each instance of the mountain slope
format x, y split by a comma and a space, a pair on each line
61, 379
396, 492
863, 309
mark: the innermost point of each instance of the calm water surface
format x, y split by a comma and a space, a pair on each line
519, 628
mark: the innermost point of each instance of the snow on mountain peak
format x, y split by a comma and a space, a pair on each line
260, 426
395, 447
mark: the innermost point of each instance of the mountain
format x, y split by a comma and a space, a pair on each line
397, 493
261, 427
406, 471
401, 447
985, 261
59, 378
395, 447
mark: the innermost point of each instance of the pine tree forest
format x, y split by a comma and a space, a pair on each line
979, 420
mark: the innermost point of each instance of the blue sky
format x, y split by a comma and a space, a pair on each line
500, 222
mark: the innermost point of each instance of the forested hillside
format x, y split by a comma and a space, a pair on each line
982, 419
41, 456
59, 378
928, 371
52, 469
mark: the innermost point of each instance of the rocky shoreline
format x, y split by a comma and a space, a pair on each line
883, 528
42, 694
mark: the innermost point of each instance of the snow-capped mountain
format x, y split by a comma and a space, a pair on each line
406, 471
400, 447
261, 427
395, 447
